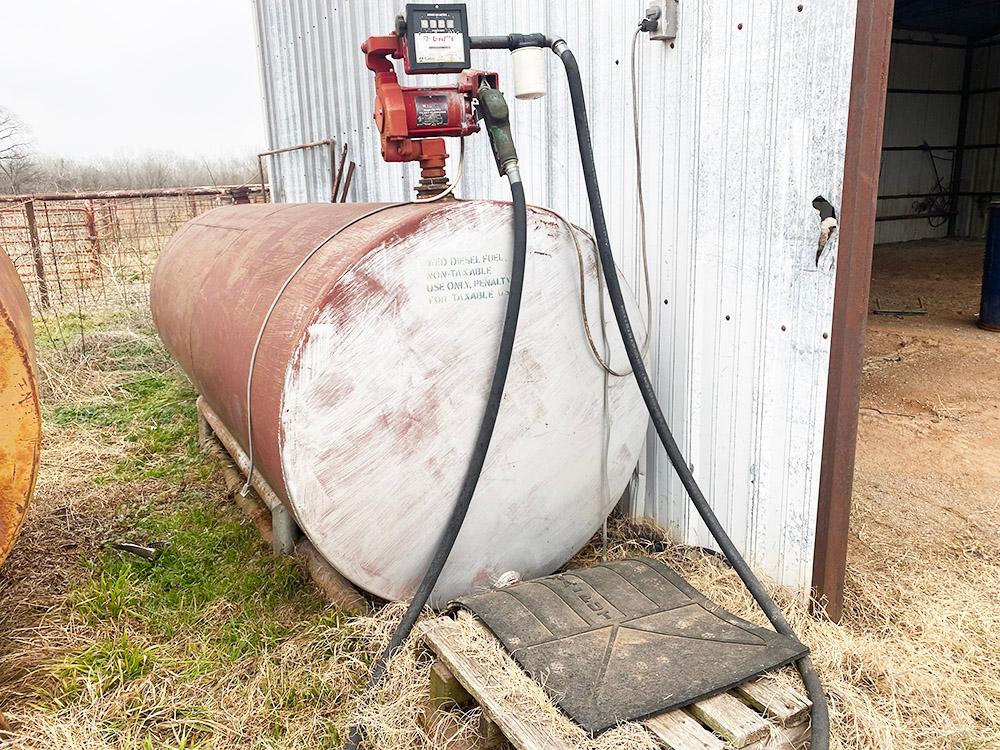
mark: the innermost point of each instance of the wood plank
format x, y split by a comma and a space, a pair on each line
779, 703
792, 738
740, 726
445, 689
489, 733
728, 716
337, 589
479, 682
681, 731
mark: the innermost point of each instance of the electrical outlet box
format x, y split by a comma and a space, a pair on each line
666, 24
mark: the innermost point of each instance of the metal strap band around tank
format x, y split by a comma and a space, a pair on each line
245, 490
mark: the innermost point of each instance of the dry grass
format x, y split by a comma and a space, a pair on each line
222, 646
914, 665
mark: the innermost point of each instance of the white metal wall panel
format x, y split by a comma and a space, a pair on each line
912, 119
744, 123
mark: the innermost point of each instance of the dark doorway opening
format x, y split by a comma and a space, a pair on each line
929, 178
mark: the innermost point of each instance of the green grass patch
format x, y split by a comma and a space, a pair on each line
142, 353
213, 600
212, 569
55, 329
156, 413
107, 664
155, 642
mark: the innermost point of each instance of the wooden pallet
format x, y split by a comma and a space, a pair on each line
757, 715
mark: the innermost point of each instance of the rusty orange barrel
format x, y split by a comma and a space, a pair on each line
20, 417
373, 370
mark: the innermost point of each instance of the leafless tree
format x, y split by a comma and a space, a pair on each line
21, 171
147, 171
18, 167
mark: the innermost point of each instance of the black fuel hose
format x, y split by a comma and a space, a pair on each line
475, 466
820, 729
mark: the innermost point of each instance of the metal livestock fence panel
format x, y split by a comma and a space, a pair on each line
81, 252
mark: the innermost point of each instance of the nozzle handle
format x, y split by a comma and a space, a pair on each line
492, 108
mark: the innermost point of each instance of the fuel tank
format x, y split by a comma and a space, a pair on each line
20, 418
373, 370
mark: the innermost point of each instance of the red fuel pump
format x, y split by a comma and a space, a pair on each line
413, 120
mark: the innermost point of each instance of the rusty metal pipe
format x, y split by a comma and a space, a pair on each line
298, 146
20, 417
329, 142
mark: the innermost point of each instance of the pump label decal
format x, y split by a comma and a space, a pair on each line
432, 110
439, 48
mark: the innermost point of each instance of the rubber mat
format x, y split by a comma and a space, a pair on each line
625, 640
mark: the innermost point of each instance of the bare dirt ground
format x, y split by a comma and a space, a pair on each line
929, 437
925, 549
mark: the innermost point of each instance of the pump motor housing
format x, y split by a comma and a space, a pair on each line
372, 374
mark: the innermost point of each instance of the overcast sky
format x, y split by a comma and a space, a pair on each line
117, 77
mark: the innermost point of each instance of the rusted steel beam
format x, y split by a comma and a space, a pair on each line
52, 250
340, 173
263, 182
20, 417
333, 171
866, 115
144, 193
93, 238
347, 181
36, 253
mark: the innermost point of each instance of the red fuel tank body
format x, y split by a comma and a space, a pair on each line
373, 370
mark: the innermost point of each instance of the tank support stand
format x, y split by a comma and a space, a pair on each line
284, 531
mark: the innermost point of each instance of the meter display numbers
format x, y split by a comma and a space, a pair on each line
439, 47
437, 38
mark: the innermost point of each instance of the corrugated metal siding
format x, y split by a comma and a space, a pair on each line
981, 168
744, 123
912, 119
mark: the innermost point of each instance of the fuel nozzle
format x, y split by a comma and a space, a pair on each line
492, 109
